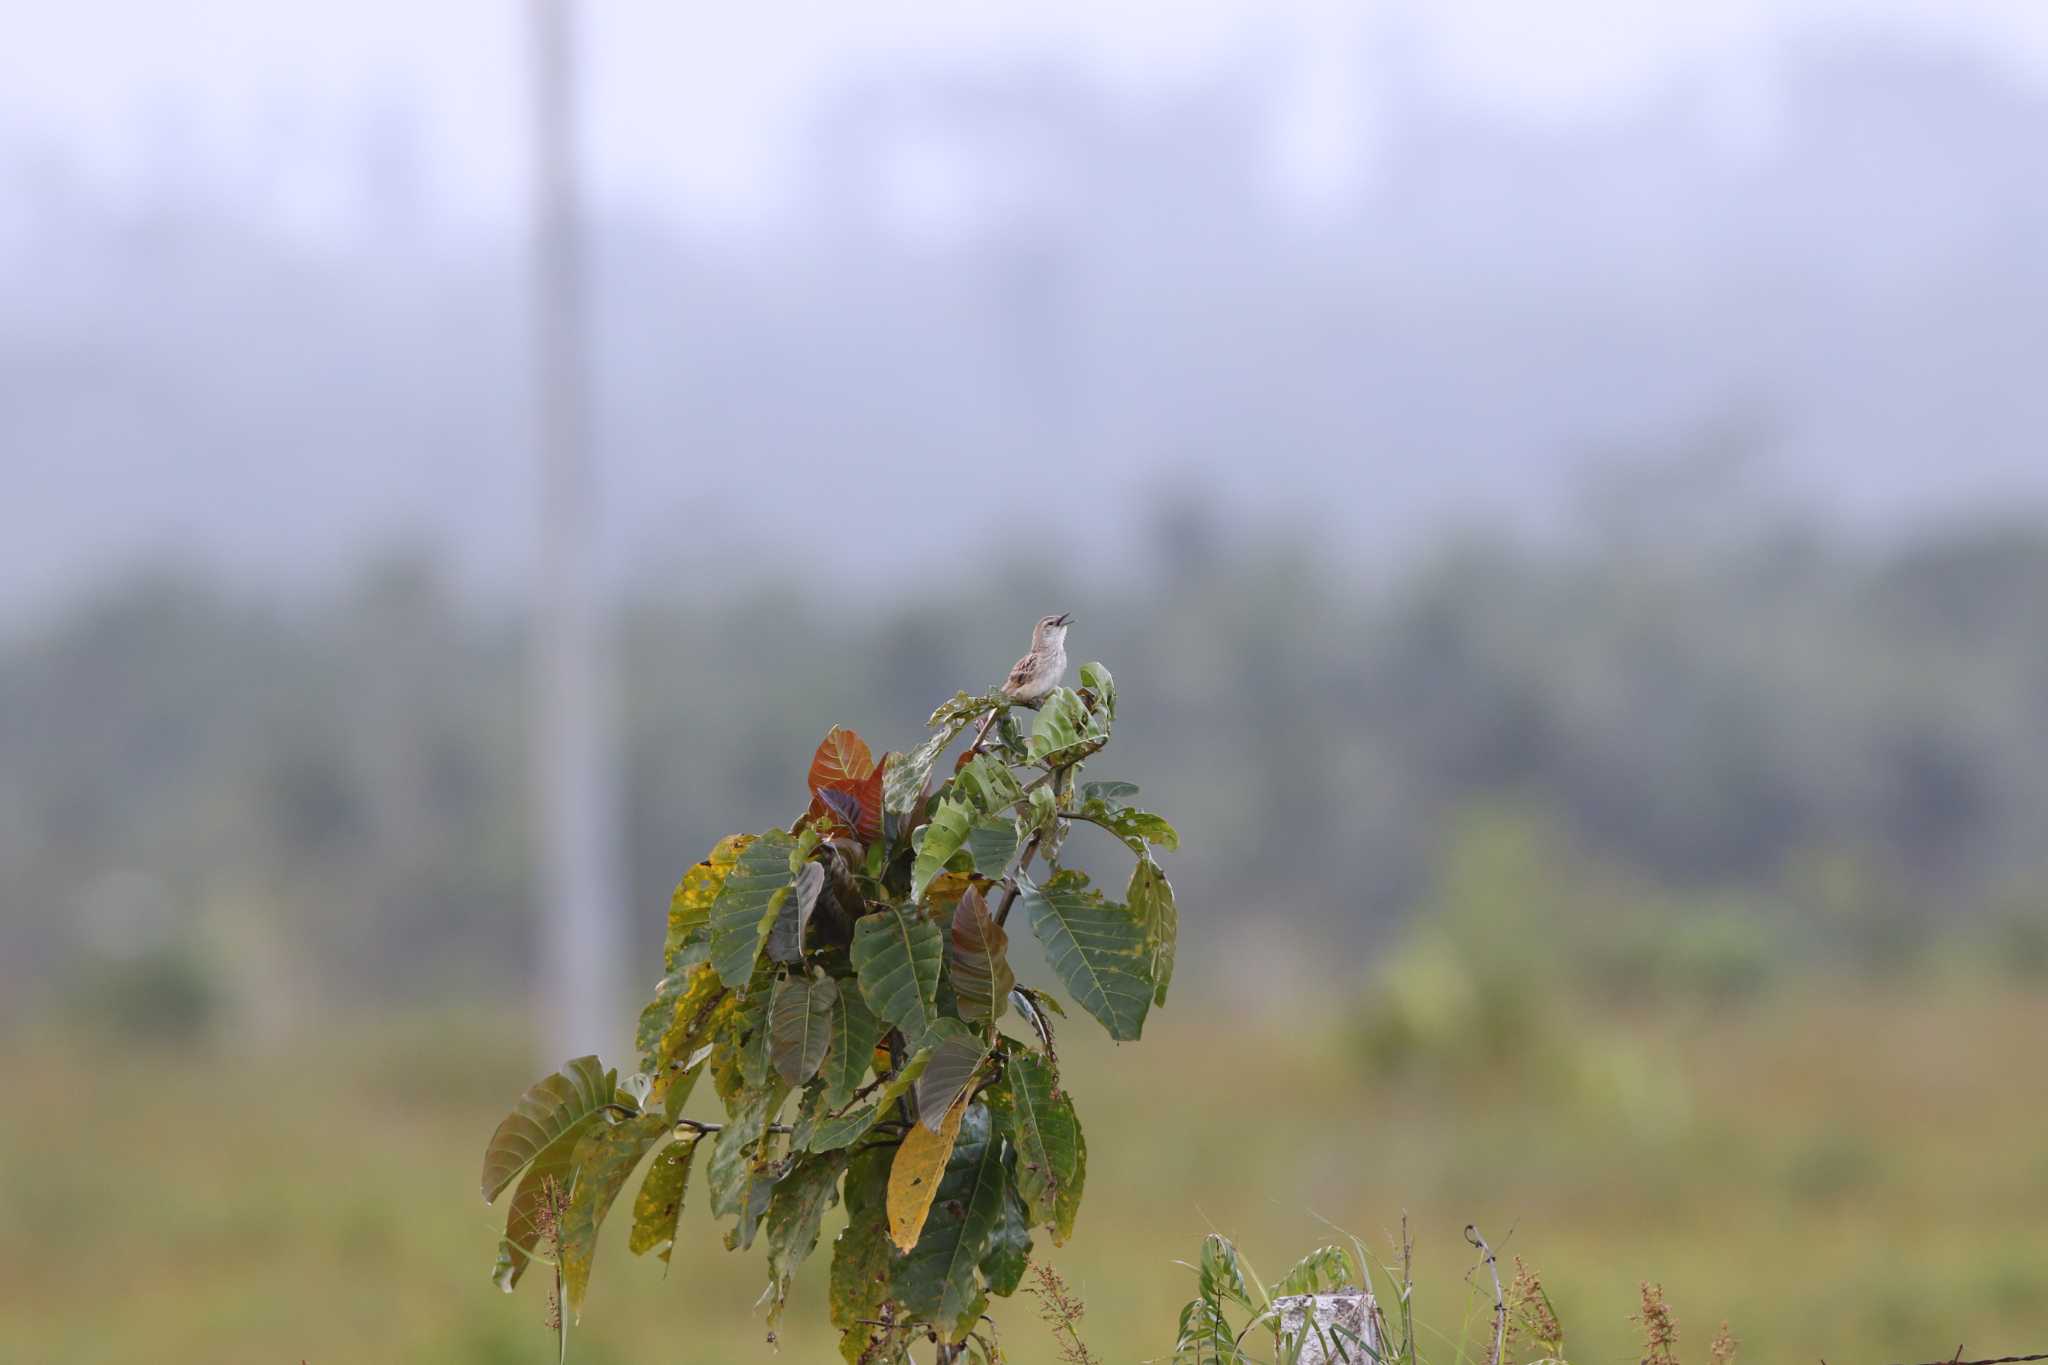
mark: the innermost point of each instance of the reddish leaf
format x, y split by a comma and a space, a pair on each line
869, 793
842, 761
840, 808
844, 765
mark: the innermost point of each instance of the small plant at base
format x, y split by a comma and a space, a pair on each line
1062, 1310
1531, 1316
1233, 1309
855, 965
1660, 1329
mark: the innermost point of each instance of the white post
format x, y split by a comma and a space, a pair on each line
572, 771
1329, 1329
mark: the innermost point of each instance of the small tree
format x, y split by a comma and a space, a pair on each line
857, 963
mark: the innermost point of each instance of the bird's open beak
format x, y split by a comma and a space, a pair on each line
1063, 618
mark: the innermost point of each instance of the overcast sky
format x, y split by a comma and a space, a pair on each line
691, 106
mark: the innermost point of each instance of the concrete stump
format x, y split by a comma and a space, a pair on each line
1329, 1329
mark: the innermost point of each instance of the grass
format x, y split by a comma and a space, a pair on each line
1834, 1172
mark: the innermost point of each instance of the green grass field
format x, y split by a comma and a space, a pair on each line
1839, 1175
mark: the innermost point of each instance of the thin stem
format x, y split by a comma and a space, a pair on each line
1011, 881
1500, 1303
701, 1128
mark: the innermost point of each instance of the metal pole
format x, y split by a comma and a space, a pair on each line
575, 828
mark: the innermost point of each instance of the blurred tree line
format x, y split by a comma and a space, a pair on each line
329, 795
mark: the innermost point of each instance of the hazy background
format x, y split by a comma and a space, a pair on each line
1561, 489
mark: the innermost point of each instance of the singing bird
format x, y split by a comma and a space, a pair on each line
1040, 671
1036, 674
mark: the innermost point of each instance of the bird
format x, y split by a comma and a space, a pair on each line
1040, 671
1035, 675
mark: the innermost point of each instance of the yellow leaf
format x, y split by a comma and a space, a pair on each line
914, 1176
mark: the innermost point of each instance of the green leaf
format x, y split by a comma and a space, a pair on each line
689, 909
800, 1025
796, 1212
1096, 679
1097, 947
988, 784
676, 1058
855, 1030
846, 1129
896, 956
943, 836
549, 1108
1321, 1271
604, 1160
523, 1220
862, 1255
658, 1014
991, 843
787, 937
1222, 1272
733, 1166
755, 1030
1135, 827
1151, 900
957, 1053
1066, 731
962, 709
659, 1204
1111, 794
1009, 1246
1052, 1158
937, 1279
905, 779
746, 906
982, 978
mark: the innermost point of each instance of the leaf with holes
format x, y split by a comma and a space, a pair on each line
800, 1025
909, 773
896, 956
747, 904
1151, 900
1052, 1157
659, 1204
689, 909
604, 1160
982, 978
1098, 949
796, 1213
861, 1257
548, 1109
1066, 731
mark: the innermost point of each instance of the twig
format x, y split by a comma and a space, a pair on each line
1995, 1360
701, 1128
1011, 880
1500, 1303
